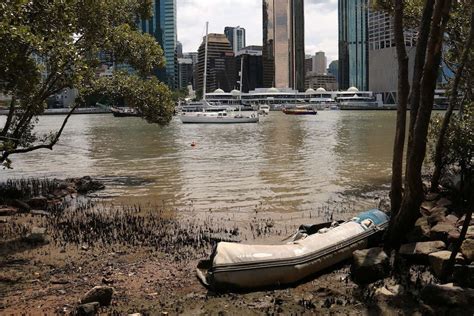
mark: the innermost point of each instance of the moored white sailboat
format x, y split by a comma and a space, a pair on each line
212, 114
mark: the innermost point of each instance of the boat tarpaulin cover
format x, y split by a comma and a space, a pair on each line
235, 265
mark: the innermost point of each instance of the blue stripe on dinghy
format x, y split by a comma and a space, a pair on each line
377, 216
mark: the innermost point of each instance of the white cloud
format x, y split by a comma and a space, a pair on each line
320, 22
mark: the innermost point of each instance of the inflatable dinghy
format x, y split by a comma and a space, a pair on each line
311, 249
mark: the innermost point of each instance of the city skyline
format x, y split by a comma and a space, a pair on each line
320, 22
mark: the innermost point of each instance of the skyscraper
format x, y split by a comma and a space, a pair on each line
319, 63
333, 69
162, 26
236, 37
353, 44
283, 44
252, 76
220, 64
383, 64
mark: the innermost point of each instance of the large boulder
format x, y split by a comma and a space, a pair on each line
101, 294
467, 249
421, 231
441, 231
437, 215
438, 260
369, 265
419, 251
447, 294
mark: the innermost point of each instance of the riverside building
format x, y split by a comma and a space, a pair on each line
162, 26
221, 68
353, 48
283, 44
236, 37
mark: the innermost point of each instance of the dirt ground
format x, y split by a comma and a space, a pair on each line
50, 278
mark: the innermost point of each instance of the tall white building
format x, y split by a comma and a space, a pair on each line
319, 63
236, 37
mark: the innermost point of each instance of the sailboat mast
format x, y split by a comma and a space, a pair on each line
241, 76
205, 64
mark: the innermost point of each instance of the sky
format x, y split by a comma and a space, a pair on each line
320, 22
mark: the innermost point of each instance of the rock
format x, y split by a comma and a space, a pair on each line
453, 236
467, 249
37, 236
419, 251
101, 294
436, 218
421, 231
441, 231
3, 220
470, 232
88, 309
439, 259
447, 294
369, 265
87, 184
464, 275
452, 218
38, 202
426, 206
20, 205
388, 292
7, 211
444, 202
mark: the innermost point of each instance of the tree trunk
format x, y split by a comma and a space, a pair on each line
457, 245
438, 159
403, 91
420, 55
409, 210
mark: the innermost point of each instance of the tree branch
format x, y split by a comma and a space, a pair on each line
11, 112
42, 146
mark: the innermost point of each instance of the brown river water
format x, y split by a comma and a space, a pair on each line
284, 164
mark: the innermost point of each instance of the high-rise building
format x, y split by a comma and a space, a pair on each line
319, 63
194, 57
179, 49
236, 37
162, 26
283, 44
383, 64
315, 81
185, 72
353, 44
252, 75
220, 65
333, 69
308, 63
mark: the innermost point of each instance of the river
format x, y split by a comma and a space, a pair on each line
283, 164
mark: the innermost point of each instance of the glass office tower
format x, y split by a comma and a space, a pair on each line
353, 44
283, 44
162, 26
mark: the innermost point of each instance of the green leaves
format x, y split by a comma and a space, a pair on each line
150, 96
49, 45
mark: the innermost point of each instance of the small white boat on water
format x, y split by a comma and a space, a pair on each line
204, 112
218, 115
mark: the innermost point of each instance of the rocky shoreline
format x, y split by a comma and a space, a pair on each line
64, 253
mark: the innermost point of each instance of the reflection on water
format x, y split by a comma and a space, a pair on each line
283, 164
